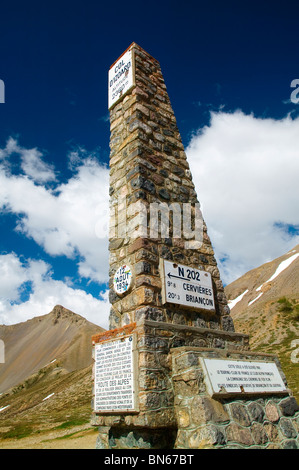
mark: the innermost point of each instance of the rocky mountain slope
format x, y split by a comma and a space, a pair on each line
46, 380
265, 304
60, 336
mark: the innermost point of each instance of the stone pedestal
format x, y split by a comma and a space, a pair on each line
259, 421
164, 400
175, 409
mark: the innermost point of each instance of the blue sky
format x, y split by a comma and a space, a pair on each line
228, 69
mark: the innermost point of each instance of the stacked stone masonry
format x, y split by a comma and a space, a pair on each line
173, 396
148, 164
175, 410
256, 422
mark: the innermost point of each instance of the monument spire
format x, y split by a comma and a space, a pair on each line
171, 372
154, 206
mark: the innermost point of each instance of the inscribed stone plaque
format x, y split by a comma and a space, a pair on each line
120, 78
186, 286
114, 377
234, 376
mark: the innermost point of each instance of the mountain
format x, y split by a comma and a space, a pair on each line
46, 380
61, 336
264, 303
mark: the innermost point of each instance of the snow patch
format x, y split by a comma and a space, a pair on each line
50, 362
251, 302
51, 394
283, 265
232, 303
4, 407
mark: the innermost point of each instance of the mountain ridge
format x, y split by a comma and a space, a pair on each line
265, 278
264, 304
61, 335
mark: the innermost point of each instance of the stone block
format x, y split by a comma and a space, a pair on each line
149, 400
272, 412
205, 409
238, 434
149, 313
206, 437
287, 428
143, 267
256, 411
183, 417
153, 380
289, 406
103, 438
186, 388
259, 434
272, 432
290, 444
184, 361
240, 414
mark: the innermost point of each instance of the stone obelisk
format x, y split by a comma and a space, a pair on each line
171, 372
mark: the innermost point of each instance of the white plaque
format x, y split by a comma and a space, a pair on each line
114, 381
234, 376
122, 279
120, 78
187, 286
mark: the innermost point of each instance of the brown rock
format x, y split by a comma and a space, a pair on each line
236, 433
272, 412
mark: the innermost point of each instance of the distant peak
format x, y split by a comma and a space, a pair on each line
60, 312
59, 309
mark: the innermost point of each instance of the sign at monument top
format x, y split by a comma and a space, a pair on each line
121, 78
186, 286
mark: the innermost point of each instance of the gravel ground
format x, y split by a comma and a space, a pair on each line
76, 438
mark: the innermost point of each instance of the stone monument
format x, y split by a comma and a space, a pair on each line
171, 373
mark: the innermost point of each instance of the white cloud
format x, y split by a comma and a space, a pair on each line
12, 275
31, 162
34, 167
45, 292
63, 221
245, 170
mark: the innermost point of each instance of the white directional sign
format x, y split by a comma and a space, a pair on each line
234, 376
120, 78
186, 286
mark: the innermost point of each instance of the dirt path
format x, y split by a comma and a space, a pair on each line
75, 438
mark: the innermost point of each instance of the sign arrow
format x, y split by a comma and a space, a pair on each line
178, 277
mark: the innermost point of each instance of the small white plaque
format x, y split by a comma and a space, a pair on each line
120, 78
114, 376
187, 286
122, 279
234, 376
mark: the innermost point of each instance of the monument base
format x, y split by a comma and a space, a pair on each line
174, 404
233, 420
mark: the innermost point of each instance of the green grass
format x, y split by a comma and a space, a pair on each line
288, 317
290, 307
72, 423
18, 432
